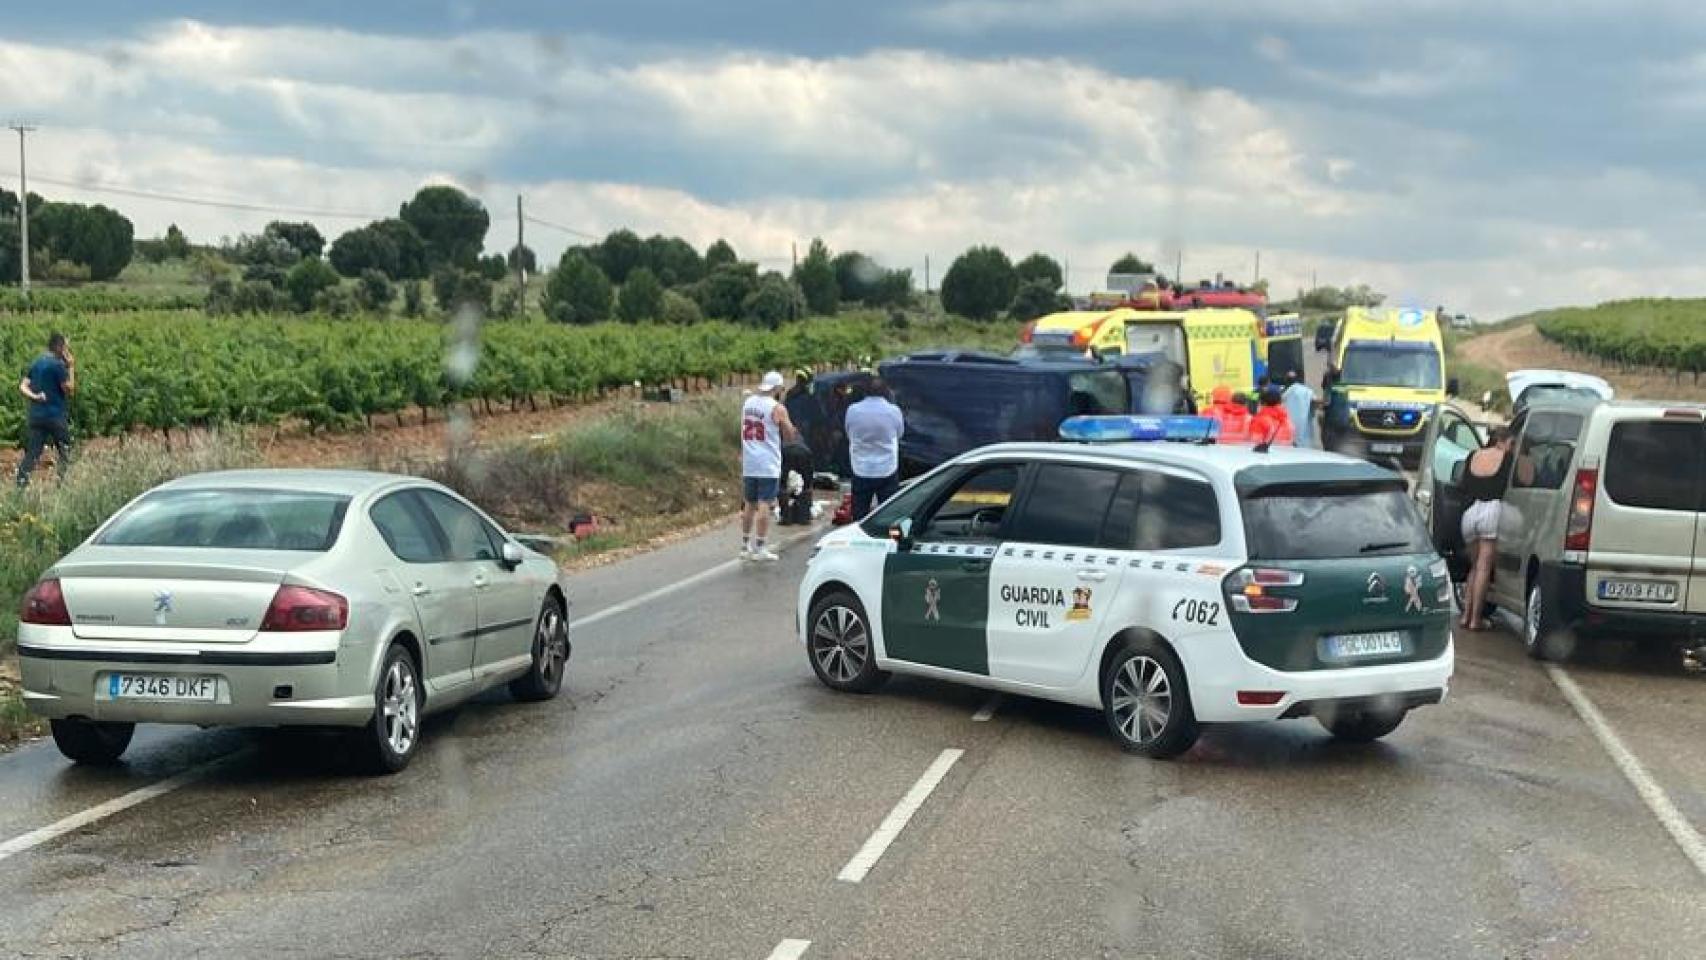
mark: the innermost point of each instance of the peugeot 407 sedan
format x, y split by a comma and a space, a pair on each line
274, 598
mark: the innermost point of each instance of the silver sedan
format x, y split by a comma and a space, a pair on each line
288, 598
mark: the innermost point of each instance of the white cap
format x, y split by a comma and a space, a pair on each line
772, 382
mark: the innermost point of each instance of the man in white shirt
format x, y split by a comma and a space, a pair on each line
874, 425
1299, 401
764, 425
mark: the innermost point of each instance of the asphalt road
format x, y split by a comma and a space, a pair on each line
696, 792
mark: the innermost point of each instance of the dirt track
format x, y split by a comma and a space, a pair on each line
1524, 348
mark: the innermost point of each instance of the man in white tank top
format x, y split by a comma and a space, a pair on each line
764, 426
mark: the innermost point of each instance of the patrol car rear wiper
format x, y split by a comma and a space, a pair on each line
1371, 547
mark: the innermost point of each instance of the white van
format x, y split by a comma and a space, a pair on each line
1603, 530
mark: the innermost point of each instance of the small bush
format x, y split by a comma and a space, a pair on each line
680, 310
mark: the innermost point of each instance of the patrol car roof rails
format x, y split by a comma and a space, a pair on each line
1130, 428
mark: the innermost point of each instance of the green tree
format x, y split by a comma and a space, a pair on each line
303, 237
175, 246
641, 298
522, 256
719, 254
414, 299
97, 237
892, 289
578, 291
680, 310
494, 267
253, 248
455, 287
305, 281
773, 302
674, 261
815, 276
1036, 298
979, 284
1039, 266
365, 248
725, 289
451, 223
413, 259
1131, 263
619, 254
375, 292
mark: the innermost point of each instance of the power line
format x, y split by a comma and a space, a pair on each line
211, 202
530, 218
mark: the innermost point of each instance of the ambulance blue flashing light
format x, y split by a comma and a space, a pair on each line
1127, 428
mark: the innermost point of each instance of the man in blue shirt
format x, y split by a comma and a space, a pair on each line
47, 385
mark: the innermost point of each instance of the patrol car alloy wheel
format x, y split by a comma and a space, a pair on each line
1146, 701
839, 644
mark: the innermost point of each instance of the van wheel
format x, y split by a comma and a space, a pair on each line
1147, 701
1362, 726
839, 644
90, 742
1540, 635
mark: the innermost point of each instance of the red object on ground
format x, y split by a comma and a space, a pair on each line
844, 512
583, 525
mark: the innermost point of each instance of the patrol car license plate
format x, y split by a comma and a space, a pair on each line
149, 686
1353, 646
1386, 448
1638, 591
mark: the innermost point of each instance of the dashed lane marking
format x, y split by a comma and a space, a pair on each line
987, 711
1659, 802
682, 584
898, 818
790, 950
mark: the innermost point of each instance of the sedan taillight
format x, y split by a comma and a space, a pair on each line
45, 605
295, 609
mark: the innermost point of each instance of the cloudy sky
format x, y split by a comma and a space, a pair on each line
1493, 157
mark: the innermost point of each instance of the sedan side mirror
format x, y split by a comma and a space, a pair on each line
901, 534
1453, 387
513, 555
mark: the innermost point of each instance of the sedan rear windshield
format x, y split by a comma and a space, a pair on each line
231, 519
1329, 521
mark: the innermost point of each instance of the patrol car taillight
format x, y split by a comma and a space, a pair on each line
1578, 530
1249, 590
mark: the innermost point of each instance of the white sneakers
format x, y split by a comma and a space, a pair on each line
760, 555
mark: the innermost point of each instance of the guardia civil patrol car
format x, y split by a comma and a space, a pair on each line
1167, 584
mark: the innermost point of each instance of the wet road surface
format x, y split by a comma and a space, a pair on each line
695, 792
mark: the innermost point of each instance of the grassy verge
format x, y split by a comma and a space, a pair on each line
16, 723
643, 472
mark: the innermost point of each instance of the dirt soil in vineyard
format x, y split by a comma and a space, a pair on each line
1524, 348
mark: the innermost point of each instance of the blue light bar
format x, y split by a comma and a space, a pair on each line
1122, 428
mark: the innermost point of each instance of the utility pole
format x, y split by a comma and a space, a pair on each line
520, 264
23, 214
1179, 267
927, 274
1258, 277
794, 254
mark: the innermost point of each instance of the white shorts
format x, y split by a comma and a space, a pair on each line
1481, 521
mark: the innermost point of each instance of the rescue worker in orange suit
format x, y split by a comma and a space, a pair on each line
1272, 424
1231, 417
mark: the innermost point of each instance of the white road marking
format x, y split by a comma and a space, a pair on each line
898, 818
985, 712
790, 950
119, 804
1659, 802
682, 584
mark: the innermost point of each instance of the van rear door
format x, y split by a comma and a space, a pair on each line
1646, 530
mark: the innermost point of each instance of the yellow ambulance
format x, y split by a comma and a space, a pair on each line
1387, 375
1214, 347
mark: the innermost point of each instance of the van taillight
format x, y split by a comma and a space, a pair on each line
1578, 532
1247, 590
295, 609
45, 605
